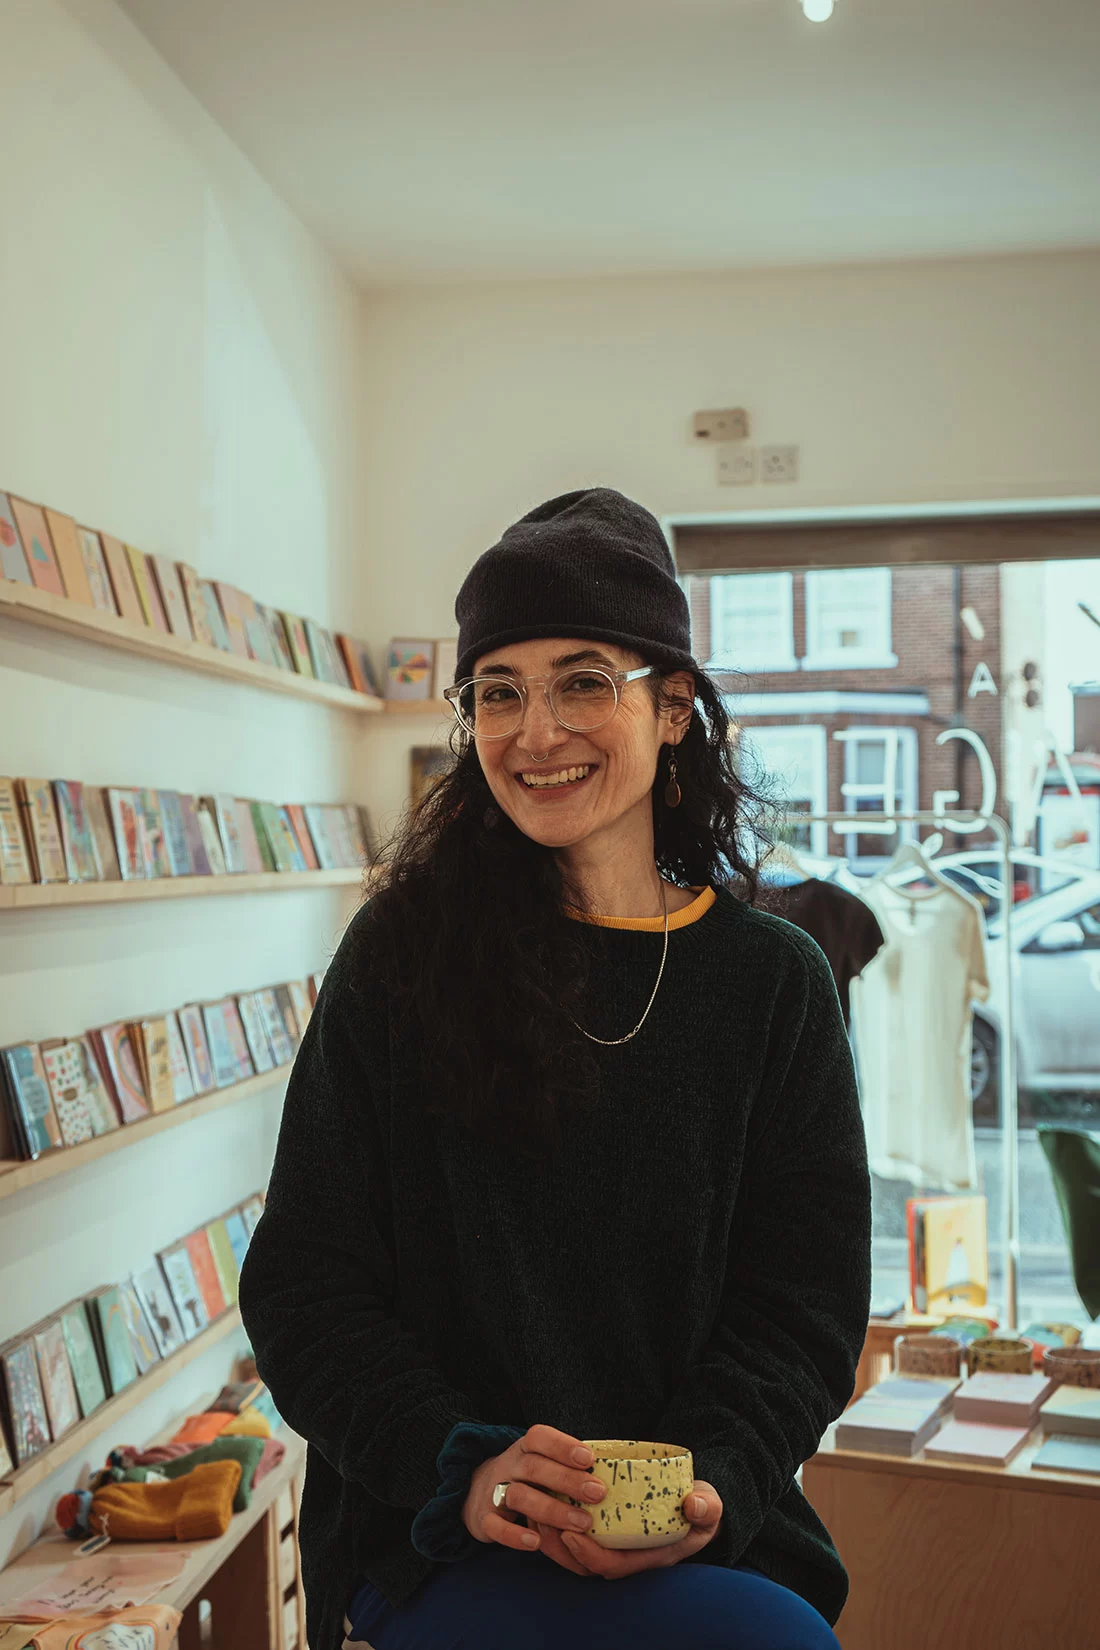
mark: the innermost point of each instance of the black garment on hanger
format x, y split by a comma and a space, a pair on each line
844, 927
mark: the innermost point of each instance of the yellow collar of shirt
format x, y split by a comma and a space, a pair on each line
699, 906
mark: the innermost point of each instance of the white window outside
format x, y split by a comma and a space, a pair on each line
790, 764
752, 622
880, 776
848, 620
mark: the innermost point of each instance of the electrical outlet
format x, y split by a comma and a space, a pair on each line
779, 463
736, 466
727, 424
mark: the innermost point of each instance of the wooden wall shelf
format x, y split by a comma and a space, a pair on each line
39, 607
27, 1478
418, 707
16, 1176
27, 896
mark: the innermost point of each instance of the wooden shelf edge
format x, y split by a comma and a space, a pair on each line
34, 895
418, 707
17, 1176
27, 1478
25, 602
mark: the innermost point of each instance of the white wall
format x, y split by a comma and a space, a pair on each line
179, 368
901, 383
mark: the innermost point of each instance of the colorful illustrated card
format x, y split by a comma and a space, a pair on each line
15, 860
206, 1273
13, 563
55, 1373
259, 1045
409, 666
198, 1049
26, 1406
40, 813
129, 828
38, 546
283, 1046
143, 1343
127, 599
30, 1092
95, 570
83, 1358
77, 837
185, 1290
183, 1084
109, 1325
123, 1062
155, 1297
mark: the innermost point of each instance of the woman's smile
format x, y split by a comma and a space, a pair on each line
555, 781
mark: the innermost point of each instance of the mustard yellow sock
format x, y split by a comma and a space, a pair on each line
196, 1507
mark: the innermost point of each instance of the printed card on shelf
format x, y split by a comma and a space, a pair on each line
129, 828
83, 1358
112, 1337
215, 618
171, 594
157, 1063
29, 1089
41, 829
147, 1627
13, 563
206, 1272
259, 1044
95, 570
152, 607
222, 1052
77, 836
95, 807
126, 596
298, 643
7, 1465
196, 605
300, 1002
246, 835
296, 815
123, 1062
37, 546
63, 1063
183, 1084
212, 841
229, 601
143, 1343
290, 1018
175, 834
70, 560
154, 1295
154, 847
15, 860
409, 667
115, 1579
198, 857
280, 647
238, 1041
56, 1376
225, 1261
198, 1049
238, 1234
255, 630
24, 1402
185, 1290
324, 849
225, 812
283, 1045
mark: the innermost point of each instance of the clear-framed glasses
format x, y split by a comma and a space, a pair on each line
581, 698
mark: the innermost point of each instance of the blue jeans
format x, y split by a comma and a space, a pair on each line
500, 1598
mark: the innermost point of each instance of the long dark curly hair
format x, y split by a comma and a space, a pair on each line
482, 972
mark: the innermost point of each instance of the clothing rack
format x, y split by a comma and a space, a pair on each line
967, 821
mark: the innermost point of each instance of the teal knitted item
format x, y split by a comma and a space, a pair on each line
246, 1451
437, 1531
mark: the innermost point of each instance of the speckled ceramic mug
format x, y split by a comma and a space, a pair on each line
1073, 1365
927, 1355
647, 1485
1000, 1355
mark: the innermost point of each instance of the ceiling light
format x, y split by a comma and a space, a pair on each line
818, 11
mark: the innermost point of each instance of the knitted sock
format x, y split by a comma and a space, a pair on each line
248, 1424
196, 1507
274, 1450
246, 1451
201, 1429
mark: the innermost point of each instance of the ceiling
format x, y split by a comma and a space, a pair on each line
441, 140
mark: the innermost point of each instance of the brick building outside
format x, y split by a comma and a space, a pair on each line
833, 677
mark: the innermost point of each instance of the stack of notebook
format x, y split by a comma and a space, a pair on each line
1074, 1409
896, 1417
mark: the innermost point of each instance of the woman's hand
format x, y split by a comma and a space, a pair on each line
543, 1456
611, 1564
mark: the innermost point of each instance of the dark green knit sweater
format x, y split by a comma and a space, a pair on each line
694, 1269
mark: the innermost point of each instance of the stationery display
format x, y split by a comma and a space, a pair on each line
64, 1091
1073, 1409
980, 1444
62, 1369
1002, 1400
47, 549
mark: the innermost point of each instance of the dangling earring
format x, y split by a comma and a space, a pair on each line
672, 790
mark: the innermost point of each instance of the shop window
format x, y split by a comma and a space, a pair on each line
752, 622
880, 776
848, 620
790, 763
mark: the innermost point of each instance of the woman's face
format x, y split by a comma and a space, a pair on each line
618, 761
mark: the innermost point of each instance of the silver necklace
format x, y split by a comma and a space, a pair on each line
615, 1042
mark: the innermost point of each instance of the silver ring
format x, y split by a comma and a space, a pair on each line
500, 1494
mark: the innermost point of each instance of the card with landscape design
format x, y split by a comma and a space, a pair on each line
24, 1401
56, 1376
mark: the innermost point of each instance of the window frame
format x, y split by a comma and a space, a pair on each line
907, 777
787, 662
880, 656
818, 765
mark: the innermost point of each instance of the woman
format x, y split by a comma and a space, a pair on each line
571, 1150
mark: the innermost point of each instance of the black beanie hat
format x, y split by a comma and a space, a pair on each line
591, 564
